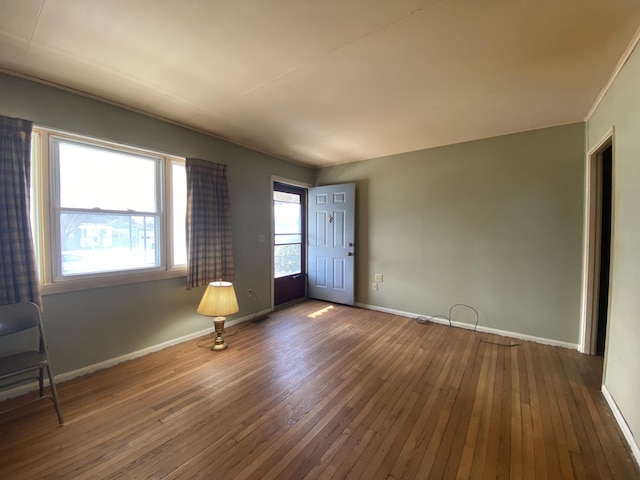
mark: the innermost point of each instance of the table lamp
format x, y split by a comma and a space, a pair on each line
218, 301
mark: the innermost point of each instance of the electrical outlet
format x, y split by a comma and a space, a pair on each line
374, 286
377, 277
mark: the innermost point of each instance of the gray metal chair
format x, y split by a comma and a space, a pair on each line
14, 319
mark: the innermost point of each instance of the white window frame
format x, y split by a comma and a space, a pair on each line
45, 218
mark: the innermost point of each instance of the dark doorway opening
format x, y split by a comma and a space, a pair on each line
606, 188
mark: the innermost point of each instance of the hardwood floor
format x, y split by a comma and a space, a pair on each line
322, 391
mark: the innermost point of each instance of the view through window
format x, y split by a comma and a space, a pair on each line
109, 209
287, 210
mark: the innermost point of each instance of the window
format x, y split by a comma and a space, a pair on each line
113, 212
287, 211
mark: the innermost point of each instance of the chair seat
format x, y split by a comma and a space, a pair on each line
20, 363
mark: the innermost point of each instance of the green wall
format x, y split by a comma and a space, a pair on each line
620, 109
90, 326
494, 223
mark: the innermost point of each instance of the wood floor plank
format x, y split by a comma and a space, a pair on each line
552, 467
516, 465
421, 437
537, 420
465, 465
322, 391
452, 445
491, 464
554, 393
483, 438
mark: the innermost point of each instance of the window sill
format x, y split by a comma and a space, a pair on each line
74, 285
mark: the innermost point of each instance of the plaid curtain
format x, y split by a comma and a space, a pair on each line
18, 273
209, 248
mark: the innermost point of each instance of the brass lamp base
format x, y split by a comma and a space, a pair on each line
219, 343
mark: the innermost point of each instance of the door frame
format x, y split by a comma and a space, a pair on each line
592, 242
287, 181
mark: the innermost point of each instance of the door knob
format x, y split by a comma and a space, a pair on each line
349, 254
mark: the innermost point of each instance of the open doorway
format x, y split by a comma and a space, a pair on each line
289, 245
606, 186
598, 247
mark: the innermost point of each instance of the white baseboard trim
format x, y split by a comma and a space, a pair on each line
521, 336
63, 377
622, 423
480, 328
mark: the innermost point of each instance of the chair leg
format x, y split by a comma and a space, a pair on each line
41, 381
54, 396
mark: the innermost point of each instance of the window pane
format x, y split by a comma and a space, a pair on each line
179, 179
287, 217
281, 239
286, 197
92, 243
93, 177
287, 260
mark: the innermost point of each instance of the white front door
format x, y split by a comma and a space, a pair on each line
331, 241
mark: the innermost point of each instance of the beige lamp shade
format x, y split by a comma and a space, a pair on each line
219, 300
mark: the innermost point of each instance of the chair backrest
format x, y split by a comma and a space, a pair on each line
18, 317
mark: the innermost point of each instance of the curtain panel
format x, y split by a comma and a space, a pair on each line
209, 245
19, 280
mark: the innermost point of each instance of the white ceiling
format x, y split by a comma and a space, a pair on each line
322, 82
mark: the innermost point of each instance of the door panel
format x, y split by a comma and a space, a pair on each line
339, 272
331, 243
